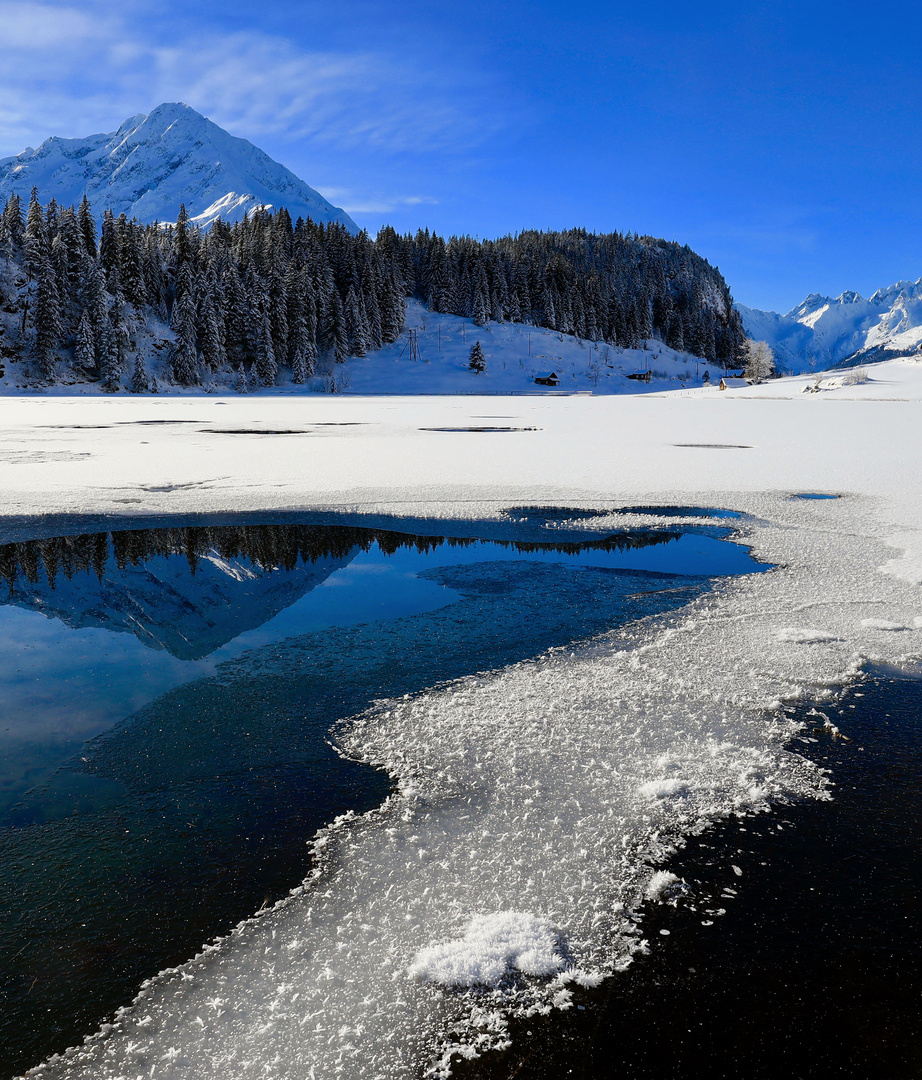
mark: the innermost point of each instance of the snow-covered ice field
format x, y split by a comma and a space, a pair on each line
535, 802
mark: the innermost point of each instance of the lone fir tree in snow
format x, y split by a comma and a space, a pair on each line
477, 361
140, 383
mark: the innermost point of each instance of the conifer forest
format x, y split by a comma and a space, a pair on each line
133, 307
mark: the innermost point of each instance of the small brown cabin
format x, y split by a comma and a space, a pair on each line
641, 376
547, 378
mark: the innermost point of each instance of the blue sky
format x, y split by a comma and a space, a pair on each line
779, 140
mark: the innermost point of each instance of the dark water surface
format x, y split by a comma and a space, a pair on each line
814, 969
165, 702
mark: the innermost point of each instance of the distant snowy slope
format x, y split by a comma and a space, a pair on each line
823, 331
154, 163
515, 355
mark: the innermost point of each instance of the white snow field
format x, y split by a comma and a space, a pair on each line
534, 804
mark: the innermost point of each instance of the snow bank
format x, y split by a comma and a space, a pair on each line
491, 946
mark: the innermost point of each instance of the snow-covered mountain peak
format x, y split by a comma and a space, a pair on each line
131, 123
908, 290
153, 163
810, 304
850, 297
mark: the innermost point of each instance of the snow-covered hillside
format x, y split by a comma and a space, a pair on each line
432, 357
154, 163
823, 331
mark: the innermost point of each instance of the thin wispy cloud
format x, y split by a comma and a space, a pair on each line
69, 72
355, 202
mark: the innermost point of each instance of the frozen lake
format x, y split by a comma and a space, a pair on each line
519, 857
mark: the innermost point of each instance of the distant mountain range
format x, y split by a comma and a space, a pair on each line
154, 163
823, 332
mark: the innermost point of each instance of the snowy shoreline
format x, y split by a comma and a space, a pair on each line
540, 796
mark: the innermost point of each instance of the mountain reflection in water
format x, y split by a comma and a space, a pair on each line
190, 590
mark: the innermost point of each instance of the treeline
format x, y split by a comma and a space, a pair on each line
267, 547
621, 289
247, 301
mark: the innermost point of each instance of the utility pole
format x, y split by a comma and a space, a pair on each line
412, 343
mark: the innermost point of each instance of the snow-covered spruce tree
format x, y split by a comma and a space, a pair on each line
35, 238
370, 290
110, 370
108, 245
94, 296
182, 242
477, 361
356, 323
130, 256
266, 368
214, 354
480, 299
12, 227
304, 362
184, 361
119, 321
299, 333
333, 332
87, 226
85, 347
140, 383
393, 310
47, 319
237, 316
278, 310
